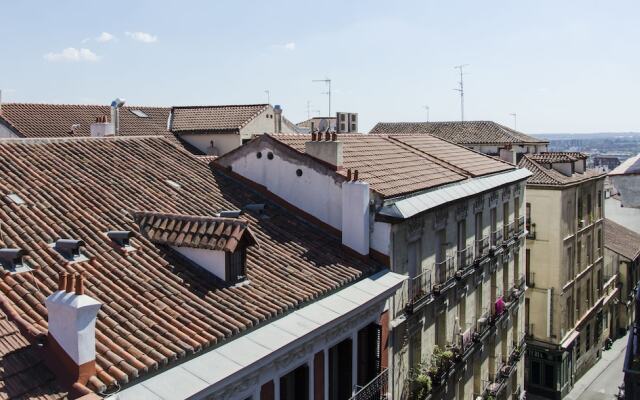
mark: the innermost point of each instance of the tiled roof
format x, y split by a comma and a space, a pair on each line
229, 118
23, 373
549, 177
621, 240
157, 307
316, 121
55, 120
212, 233
399, 164
557, 157
467, 132
630, 166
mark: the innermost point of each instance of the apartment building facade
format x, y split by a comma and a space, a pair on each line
569, 292
450, 219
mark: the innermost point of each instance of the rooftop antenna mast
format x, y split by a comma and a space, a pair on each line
427, 108
328, 92
461, 89
515, 121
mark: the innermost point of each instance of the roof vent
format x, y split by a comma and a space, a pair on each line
173, 184
121, 238
11, 260
229, 213
70, 249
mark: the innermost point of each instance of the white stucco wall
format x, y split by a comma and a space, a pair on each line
211, 260
629, 188
381, 237
314, 192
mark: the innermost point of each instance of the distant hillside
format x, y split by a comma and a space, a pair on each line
587, 136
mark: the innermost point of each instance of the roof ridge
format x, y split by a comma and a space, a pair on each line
433, 158
62, 139
81, 105
541, 169
221, 105
188, 217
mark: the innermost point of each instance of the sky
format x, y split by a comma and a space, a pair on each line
560, 66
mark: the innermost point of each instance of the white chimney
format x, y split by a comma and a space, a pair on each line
277, 112
72, 328
115, 113
508, 154
102, 128
325, 147
355, 214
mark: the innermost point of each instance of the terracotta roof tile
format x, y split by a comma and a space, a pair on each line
157, 306
55, 120
467, 132
228, 118
621, 240
557, 157
212, 233
399, 164
543, 176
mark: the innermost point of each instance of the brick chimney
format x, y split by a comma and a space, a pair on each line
325, 147
71, 341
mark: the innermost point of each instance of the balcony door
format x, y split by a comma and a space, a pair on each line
340, 370
295, 384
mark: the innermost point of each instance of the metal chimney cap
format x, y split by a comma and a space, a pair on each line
277, 108
118, 102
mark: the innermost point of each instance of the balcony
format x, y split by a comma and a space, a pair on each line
508, 231
482, 247
531, 230
376, 389
521, 225
420, 287
496, 238
445, 270
465, 258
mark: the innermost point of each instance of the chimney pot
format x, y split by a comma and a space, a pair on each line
334, 137
62, 281
327, 136
80, 284
70, 283
349, 174
355, 175
313, 136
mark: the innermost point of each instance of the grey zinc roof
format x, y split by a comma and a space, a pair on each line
221, 366
410, 206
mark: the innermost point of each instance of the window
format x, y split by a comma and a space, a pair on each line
569, 263
528, 216
569, 314
579, 256
535, 372
413, 258
494, 226
588, 293
587, 343
549, 376
589, 250
462, 244
505, 221
599, 244
578, 347
599, 203
295, 384
235, 266
578, 304
139, 113
580, 219
589, 208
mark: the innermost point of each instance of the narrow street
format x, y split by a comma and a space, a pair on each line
603, 379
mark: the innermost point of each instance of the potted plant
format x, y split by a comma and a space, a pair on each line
422, 386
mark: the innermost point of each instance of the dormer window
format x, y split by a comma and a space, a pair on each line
121, 239
11, 260
70, 249
216, 244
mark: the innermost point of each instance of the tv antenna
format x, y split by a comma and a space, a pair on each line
515, 121
268, 93
328, 92
427, 108
461, 89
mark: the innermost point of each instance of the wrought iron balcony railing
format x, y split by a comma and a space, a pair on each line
508, 230
482, 247
420, 286
445, 270
376, 389
521, 224
465, 257
496, 237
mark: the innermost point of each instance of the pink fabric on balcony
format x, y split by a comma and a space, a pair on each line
499, 305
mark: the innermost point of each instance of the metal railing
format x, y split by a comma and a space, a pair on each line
376, 389
482, 247
508, 230
465, 257
420, 286
521, 224
496, 237
445, 270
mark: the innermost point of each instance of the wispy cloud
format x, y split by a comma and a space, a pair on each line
72, 54
105, 37
290, 46
142, 37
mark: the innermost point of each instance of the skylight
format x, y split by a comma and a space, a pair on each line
139, 113
15, 198
173, 184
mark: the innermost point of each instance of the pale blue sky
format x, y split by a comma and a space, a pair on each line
562, 66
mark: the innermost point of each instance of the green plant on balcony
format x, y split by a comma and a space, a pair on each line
421, 382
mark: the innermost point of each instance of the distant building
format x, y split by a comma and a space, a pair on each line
487, 137
607, 163
632, 358
565, 300
626, 180
622, 260
320, 124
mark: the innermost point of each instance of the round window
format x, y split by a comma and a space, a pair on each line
259, 154
270, 156
299, 172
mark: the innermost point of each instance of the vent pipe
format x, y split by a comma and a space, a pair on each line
277, 112
115, 113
